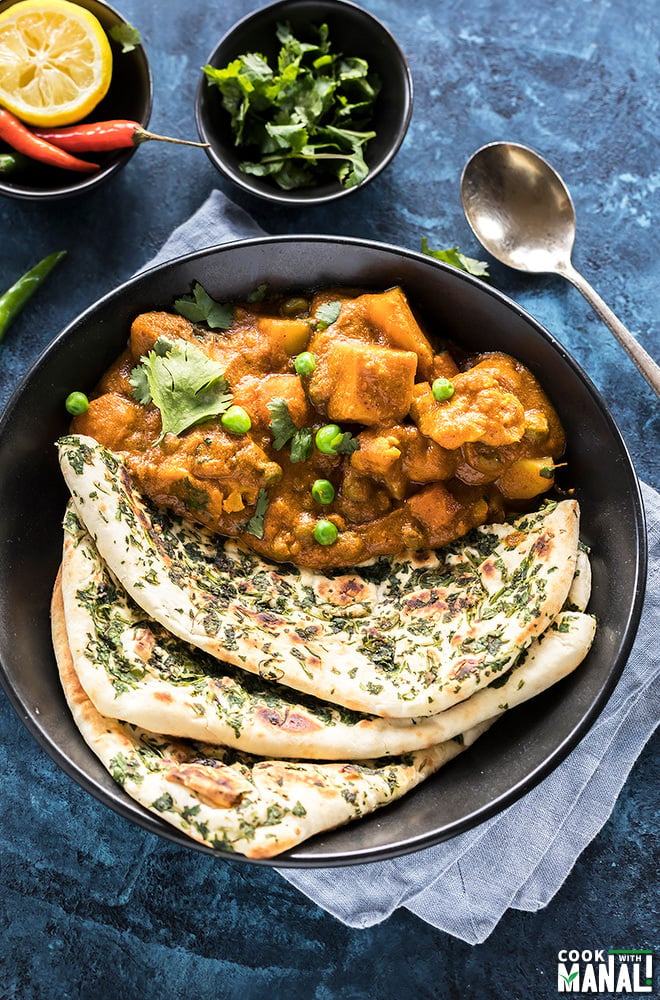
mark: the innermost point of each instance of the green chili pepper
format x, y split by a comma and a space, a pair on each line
7, 163
13, 300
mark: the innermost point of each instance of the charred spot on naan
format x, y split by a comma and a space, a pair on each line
289, 722
212, 782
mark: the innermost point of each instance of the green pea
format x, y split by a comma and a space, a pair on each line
323, 491
236, 419
327, 438
325, 532
294, 306
305, 363
76, 403
442, 389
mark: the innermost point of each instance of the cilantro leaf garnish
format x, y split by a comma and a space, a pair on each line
127, 36
201, 308
305, 120
346, 445
300, 439
281, 424
187, 386
453, 256
255, 525
326, 314
301, 444
259, 293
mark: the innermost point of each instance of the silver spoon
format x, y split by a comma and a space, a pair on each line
521, 211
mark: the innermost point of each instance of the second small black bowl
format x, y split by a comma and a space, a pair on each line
130, 96
353, 32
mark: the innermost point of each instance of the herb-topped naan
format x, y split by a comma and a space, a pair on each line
396, 638
228, 800
133, 669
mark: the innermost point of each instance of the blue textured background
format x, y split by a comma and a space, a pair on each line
91, 906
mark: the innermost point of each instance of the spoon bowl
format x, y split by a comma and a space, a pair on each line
522, 213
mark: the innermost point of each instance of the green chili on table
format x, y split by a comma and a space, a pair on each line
13, 300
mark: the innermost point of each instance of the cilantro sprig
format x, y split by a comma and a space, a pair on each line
255, 525
201, 308
304, 121
126, 35
346, 444
453, 256
187, 386
299, 439
326, 314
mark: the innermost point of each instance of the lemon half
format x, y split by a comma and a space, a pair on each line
55, 61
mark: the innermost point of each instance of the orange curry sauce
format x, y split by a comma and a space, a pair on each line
425, 471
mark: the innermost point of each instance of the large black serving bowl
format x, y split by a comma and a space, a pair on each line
520, 749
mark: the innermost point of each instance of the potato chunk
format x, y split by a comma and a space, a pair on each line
383, 318
390, 313
362, 383
286, 337
527, 478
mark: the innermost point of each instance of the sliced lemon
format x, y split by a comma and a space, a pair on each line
55, 61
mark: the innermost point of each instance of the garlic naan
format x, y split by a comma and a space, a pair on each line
402, 638
228, 800
133, 669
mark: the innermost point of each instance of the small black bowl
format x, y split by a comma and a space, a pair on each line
129, 96
352, 32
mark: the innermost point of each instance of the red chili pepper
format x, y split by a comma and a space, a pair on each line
20, 138
98, 137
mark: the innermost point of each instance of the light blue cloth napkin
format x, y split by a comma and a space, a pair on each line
521, 857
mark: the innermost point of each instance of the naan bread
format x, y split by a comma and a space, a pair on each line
132, 669
228, 800
404, 638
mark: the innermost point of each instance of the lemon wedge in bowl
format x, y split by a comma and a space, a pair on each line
55, 61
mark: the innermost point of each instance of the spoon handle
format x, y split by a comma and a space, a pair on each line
647, 366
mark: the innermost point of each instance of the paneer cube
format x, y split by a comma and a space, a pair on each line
400, 456
363, 383
254, 393
480, 410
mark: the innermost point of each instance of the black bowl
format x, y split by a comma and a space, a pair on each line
520, 749
353, 32
129, 96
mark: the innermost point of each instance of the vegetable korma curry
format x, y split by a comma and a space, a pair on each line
323, 430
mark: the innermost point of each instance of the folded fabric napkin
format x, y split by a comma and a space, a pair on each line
465, 885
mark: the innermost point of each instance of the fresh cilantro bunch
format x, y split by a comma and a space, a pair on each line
187, 386
305, 121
